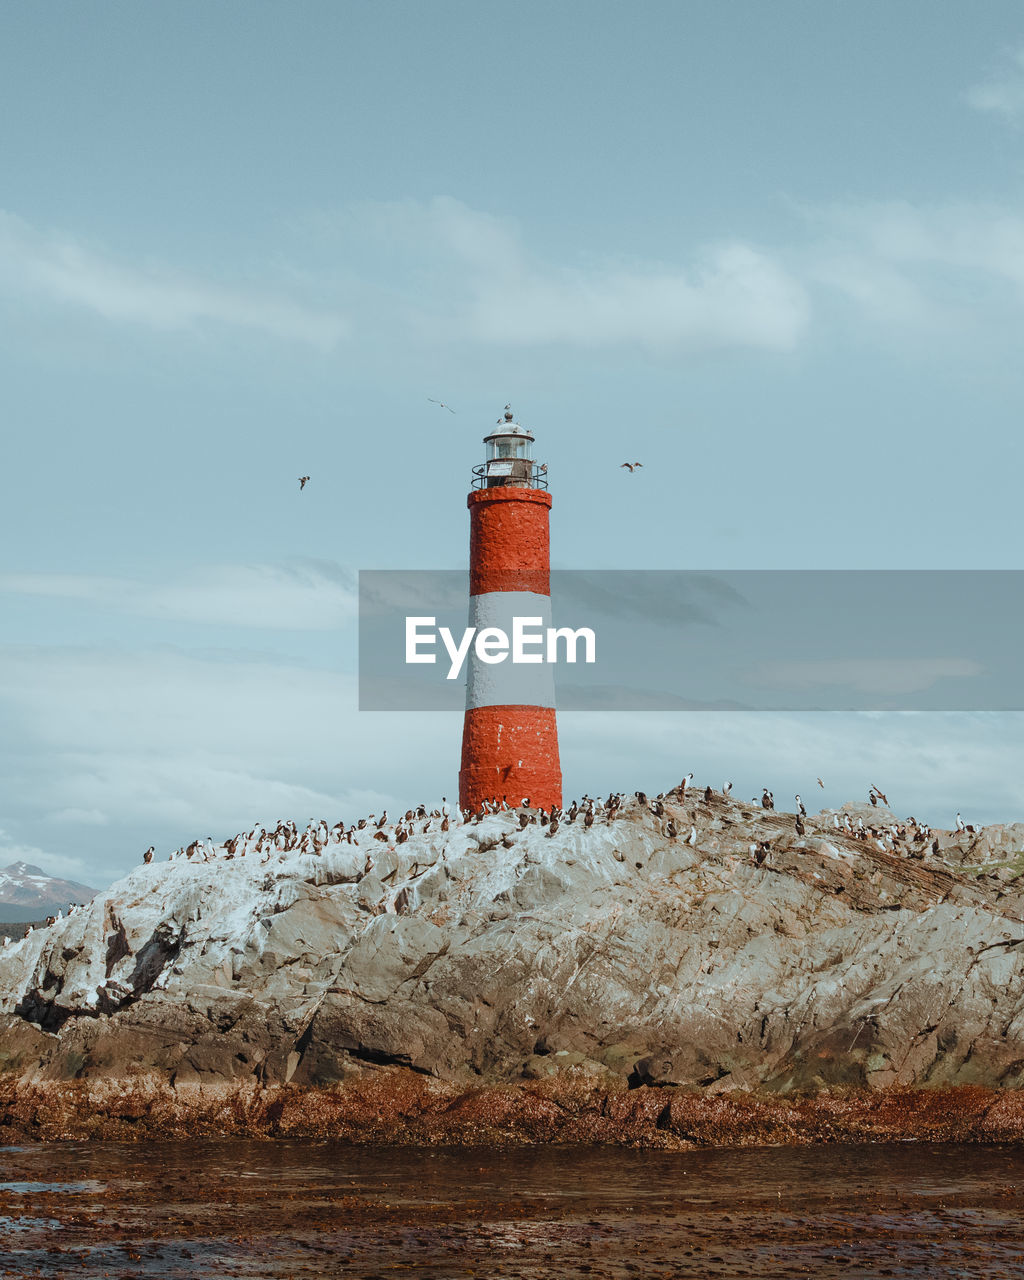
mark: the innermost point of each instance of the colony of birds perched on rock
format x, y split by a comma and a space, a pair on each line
908, 838
690, 810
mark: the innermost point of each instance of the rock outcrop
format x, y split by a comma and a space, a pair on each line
487, 953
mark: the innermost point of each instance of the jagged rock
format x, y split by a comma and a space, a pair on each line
489, 951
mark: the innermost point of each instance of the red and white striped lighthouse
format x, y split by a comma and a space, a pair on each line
509, 738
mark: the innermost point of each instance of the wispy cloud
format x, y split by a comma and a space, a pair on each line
733, 296
987, 239
59, 268
306, 595
434, 270
471, 276
80, 817
438, 271
53, 864
866, 675
928, 268
171, 746
1002, 93
929, 764
457, 274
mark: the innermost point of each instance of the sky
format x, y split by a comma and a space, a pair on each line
776, 252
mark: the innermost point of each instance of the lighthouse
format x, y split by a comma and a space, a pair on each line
509, 737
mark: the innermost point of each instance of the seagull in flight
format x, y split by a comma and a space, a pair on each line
632, 466
303, 481
820, 783
441, 403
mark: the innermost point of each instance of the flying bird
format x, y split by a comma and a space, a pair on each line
303, 481
632, 466
820, 783
441, 403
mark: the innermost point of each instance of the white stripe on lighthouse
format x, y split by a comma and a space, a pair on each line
508, 683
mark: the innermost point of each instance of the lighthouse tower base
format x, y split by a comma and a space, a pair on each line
510, 753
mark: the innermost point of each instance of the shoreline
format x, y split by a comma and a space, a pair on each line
401, 1108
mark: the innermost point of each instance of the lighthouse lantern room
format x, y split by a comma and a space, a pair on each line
509, 461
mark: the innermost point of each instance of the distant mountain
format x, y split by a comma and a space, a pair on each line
28, 893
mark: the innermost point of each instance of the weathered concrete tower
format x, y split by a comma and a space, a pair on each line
510, 738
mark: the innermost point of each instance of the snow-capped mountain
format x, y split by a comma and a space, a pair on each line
28, 893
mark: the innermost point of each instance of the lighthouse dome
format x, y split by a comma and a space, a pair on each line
511, 441
509, 459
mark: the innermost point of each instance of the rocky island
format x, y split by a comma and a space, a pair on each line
686, 969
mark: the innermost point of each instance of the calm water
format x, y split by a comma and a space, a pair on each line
296, 1209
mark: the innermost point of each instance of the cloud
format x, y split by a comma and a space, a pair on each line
937, 268
211, 789
1002, 94
470, 276
170, 746
58, 268
53, 864
866, 675
434, 269
929, 764
734, 296
303, 595
440, 271
671, 597
987, 239
147, 704
419, 274
83, 817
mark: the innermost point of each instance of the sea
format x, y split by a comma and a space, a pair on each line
295, 1209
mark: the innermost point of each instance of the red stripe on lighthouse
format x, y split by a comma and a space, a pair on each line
509, 753
508, 541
